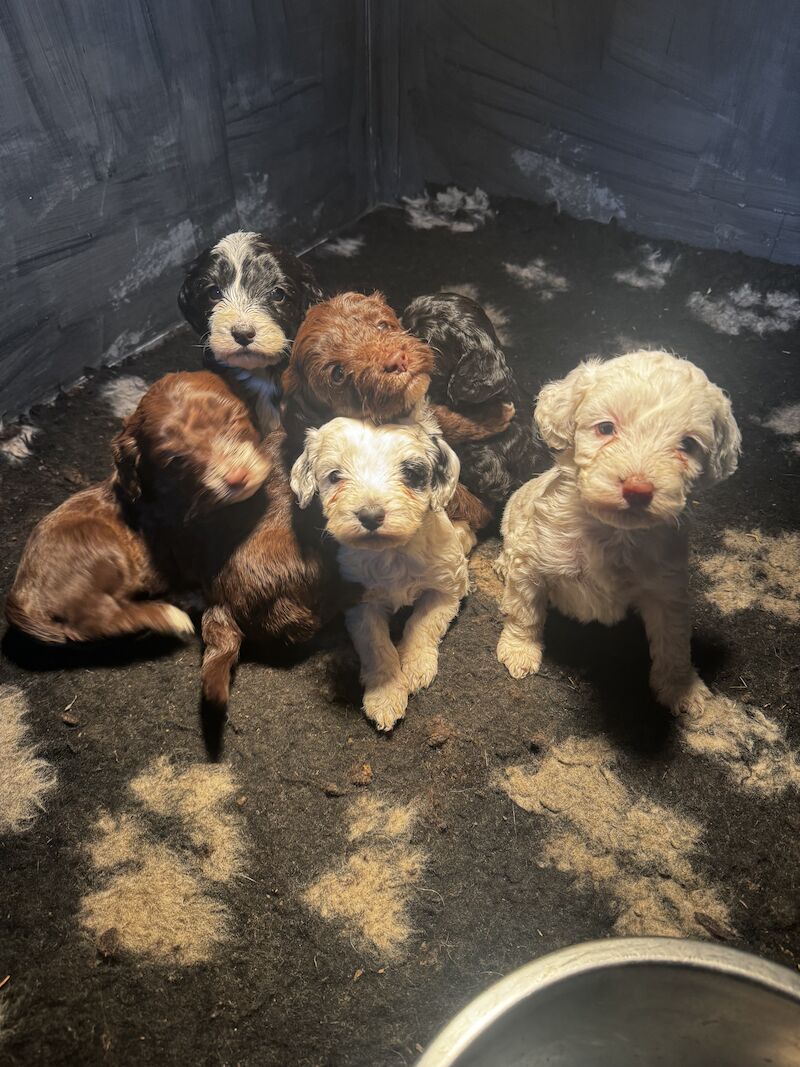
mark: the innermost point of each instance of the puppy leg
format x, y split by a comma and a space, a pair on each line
385, 688
222, 639
673, 679
524, 605
458, 428
425, 628
101, 616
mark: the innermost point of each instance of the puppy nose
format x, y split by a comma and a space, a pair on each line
243, 335
396, 363
637, 492
236, 477
371, 518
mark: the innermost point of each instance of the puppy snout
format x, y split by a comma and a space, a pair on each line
396, 363
236, 477
637, 491
371, 518
243, 335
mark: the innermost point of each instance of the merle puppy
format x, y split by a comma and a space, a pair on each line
471, 374
246, 297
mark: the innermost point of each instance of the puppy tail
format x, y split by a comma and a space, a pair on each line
223, 640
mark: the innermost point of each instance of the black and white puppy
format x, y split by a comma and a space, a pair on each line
471, 372
246, 298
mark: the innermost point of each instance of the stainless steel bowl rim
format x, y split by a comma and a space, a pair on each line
566, 963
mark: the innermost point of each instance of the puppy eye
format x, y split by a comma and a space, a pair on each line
337, 374
214, 293
690, 446
605, 429
383, 326
415, 475
334, 477
279, 295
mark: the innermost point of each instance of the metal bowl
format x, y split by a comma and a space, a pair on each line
630, 1001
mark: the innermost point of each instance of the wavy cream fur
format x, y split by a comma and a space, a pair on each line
417, 557
570, 538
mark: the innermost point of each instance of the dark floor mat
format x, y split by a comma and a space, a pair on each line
327, 895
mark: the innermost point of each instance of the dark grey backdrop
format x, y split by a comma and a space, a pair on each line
681, 118
132, 133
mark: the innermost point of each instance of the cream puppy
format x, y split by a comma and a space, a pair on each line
601, 533
383, 491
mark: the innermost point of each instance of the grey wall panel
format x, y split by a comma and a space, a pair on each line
677, 117
133, 133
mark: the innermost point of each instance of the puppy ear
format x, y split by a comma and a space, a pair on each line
479, 375
310, 290
302, 480
723, 458
557, 405
126, 453
446, 470
189, 297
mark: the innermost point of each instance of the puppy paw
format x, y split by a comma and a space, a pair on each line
467, 537
688, 699
520, 657
419, 667
386, 704
498, 418
178, 621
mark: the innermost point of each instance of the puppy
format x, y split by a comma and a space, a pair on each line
246, 297
383, 490
601, 532
351, 357
87, 568
265, 574
470, 379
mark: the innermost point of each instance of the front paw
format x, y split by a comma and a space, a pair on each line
386, 704
687, 698
520, 656
499, 417
419, 667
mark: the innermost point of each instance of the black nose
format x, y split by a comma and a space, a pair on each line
371, 518
243, 335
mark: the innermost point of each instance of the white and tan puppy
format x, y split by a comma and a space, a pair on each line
601, 532
383, 491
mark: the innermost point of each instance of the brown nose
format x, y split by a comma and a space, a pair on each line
396, 363
236, 477
637, 492
243, 335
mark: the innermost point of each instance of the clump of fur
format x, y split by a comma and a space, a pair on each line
26, 778
635, 851
370, 891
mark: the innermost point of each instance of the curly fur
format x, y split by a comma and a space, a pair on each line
246, 298
471, 378
600, 532
383, 490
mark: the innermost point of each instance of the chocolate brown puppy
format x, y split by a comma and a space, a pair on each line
87, 570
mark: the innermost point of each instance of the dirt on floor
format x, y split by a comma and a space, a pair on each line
330, 895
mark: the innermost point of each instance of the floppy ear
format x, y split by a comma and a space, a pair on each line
126, 453
302, 481
557, 405
480, 375
188, 296
446, 469
723, 458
